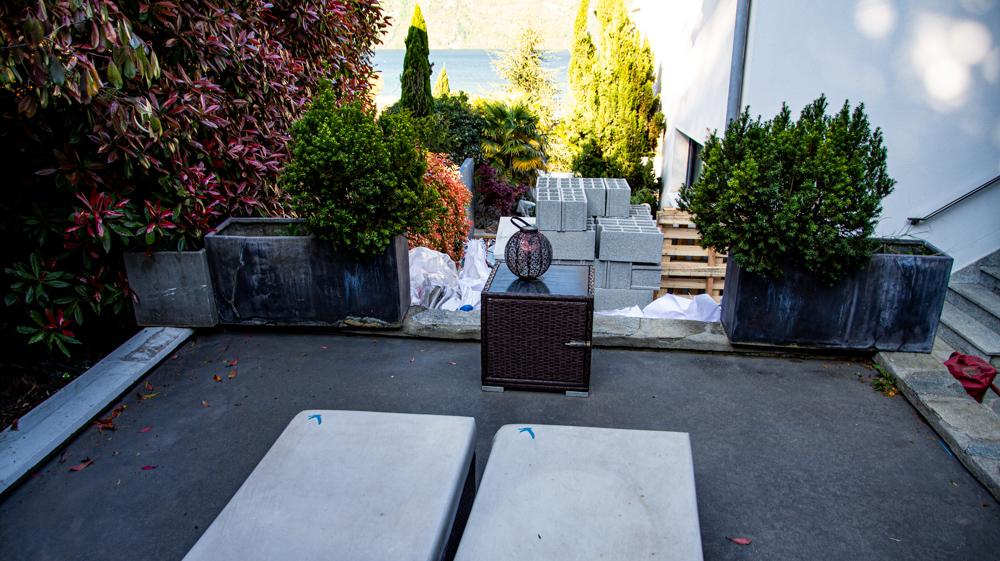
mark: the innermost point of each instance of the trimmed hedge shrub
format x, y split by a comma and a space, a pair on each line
356, 181
804, 193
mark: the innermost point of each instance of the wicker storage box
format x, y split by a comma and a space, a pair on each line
536, 334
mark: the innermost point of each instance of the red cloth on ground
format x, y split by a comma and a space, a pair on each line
974, 373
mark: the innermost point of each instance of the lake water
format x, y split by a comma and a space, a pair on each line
469, 70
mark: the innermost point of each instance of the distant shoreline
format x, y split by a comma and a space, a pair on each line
469, 70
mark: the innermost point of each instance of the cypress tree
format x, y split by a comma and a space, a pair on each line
442, 86
416, 79
626, 120
581, 60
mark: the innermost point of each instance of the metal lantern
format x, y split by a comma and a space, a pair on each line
528, 252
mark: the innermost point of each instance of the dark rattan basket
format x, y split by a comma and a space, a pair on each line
536, 334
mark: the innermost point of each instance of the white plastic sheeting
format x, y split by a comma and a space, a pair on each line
669, 306
435, 282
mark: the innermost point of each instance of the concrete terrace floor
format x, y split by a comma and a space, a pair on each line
802, 456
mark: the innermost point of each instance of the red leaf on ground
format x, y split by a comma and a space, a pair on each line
232, 362
148, 386
82, 465
147, 468
217, 378
740, 541
204, 404
231, 375
145, 429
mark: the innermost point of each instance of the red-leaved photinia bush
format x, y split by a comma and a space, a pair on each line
497, 197
142, 124
450, 229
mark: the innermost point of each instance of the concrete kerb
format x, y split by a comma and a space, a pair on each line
46, 427
970, 429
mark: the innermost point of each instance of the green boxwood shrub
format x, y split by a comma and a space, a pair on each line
804, 193
357, 181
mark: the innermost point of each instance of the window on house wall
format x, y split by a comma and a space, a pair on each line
693, 162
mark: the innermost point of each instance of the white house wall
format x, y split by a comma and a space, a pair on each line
929, 75
693, 42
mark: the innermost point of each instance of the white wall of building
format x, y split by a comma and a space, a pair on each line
928, 72
693, 42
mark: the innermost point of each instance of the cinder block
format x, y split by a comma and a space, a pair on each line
629, 240
574, 209
572, 245
645, 277
600, 274
640, 211
548, 212
619, 275
614, 299
618, 197
596, 194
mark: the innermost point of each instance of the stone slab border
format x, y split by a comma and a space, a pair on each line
971, 429
46, 427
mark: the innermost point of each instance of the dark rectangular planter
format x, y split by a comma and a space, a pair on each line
891, 304
174, 288
264, 276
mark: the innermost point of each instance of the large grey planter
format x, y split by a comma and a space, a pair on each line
263, 274
891, 304
174, 288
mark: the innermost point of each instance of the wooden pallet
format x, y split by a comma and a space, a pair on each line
688, 268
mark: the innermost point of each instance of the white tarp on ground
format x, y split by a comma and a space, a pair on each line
435, 282
668, 306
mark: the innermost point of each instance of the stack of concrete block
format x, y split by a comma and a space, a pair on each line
591, 221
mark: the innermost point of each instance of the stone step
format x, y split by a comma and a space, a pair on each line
967, 335
990, 278
979, 302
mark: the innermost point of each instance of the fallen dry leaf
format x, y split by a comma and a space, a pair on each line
147, 468
452, 363
13, 426
145, 429
145, 396
204, 404
232, 362
174, 356
148, 386
108, 423
231, 375
217, 378
82, 465
740, 541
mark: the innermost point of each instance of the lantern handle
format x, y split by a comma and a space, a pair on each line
527, 226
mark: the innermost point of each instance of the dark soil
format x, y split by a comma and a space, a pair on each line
31, 373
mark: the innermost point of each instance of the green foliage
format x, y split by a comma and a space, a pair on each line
803, 193
416, 79
582, 70
884, 382
356, 181
454, 127
511, 141
442, 86
527, 79
463, 126
624, 117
